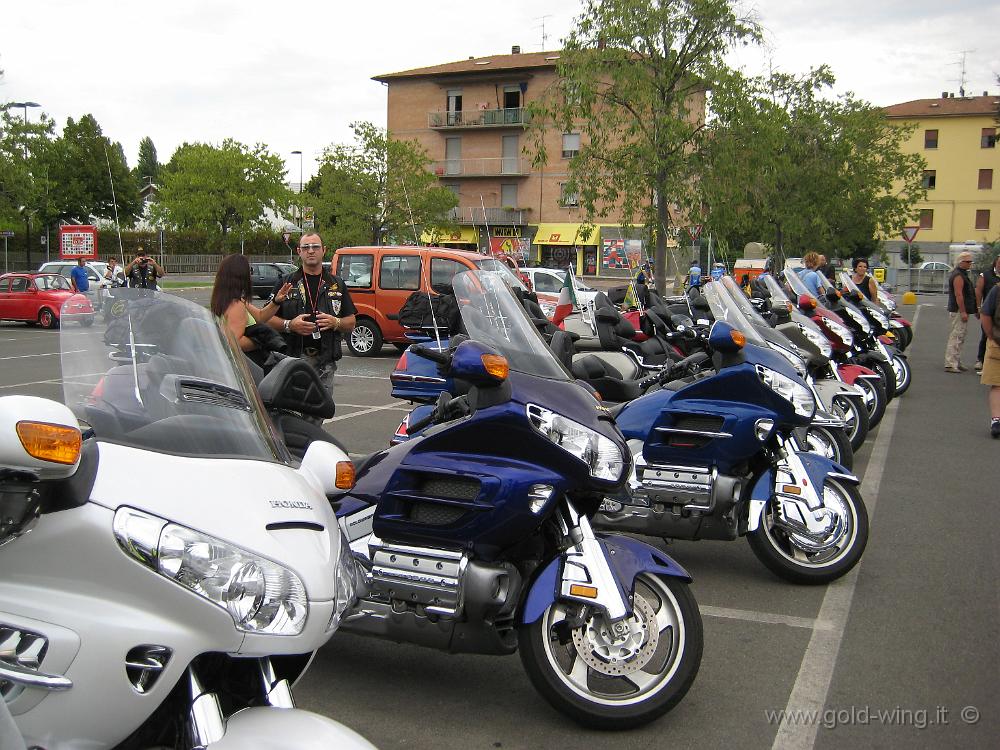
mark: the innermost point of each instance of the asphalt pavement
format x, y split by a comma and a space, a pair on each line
902, 652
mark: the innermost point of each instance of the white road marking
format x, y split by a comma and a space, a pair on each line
769, 618
48, 354
363, 377
812, 684
369, 410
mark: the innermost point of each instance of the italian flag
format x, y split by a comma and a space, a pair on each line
567, 299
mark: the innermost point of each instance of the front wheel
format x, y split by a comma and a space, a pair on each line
901, 369
365, 340
829, 442
608, 681
888, 375
852, 410
47, 318
813, 559
873, 393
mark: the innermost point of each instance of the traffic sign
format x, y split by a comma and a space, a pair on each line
286, 236
694, 231
909, 233
6, 233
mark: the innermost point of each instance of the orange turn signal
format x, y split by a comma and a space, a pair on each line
50, 442
588, 592
496, 366
345, 475
738, 338
791, 489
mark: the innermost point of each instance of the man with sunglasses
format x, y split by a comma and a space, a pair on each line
317, 312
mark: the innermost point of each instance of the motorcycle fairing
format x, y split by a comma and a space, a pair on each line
626, 557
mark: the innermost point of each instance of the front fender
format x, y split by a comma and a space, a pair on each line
818, 468
627, 558
267, 727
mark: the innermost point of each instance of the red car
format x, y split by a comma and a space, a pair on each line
39, 298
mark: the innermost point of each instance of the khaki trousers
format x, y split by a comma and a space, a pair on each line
956, 339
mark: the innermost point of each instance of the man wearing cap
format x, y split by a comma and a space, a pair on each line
961, 304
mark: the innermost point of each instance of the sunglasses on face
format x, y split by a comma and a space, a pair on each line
310, 247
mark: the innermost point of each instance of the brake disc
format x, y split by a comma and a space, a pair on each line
596, 643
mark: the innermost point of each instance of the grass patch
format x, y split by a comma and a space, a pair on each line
183, 284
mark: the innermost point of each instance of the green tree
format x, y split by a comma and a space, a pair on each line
786, 165
221, 189
368, 192
633, 74
147, 169
87, 176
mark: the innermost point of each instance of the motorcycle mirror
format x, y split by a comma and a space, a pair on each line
39, 436
478, 364
807, 302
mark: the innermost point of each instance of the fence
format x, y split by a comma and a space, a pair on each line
14, 260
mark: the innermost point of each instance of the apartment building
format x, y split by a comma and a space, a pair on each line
472, 118
957, 136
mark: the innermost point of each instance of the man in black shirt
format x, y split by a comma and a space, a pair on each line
318, 311
986, 281
143, 271
961, 304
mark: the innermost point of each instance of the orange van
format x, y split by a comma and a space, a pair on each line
381, 278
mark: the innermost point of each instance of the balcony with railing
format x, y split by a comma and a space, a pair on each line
501, 166
488, 216
479, 118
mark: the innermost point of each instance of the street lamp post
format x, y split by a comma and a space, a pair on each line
27, 217
300, 188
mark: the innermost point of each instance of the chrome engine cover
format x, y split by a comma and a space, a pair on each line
418, 576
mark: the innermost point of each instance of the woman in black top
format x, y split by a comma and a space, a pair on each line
865, 282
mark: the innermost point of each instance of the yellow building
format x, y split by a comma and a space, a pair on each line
957, 137
472, 117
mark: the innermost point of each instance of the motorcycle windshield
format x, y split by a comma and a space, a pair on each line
159, 373
723, 308
739, 299
492, 265
494, 317
798, 287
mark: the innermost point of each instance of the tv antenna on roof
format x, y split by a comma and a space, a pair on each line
545, 36
962, 80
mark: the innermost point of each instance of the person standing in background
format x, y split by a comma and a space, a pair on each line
990, 320
986, 281
961, 304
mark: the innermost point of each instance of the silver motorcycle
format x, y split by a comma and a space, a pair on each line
166, 571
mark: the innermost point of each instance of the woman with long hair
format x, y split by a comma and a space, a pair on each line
231, 297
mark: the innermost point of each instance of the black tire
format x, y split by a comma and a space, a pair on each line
875, 400
785, 555
885, 371
366, 338
903, 374
47, 318
87, 322
831, 442
855, 413
556, 668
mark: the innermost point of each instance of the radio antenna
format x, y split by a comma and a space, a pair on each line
114, 203
430, 299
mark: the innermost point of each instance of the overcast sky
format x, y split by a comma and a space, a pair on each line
294, 74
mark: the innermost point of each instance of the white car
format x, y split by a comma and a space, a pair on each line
934, 265
95, 270
546, 282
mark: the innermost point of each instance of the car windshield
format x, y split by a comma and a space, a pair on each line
723, 308
161, 374
493, 316
52, 281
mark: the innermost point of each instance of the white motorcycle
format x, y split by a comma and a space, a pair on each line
180, 572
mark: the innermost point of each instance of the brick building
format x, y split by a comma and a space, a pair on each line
471, 117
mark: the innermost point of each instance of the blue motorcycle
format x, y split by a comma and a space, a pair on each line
714, 459
475, 534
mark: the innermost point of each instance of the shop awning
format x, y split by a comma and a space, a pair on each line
565, 234
464, 236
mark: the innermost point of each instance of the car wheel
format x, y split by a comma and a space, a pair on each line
366, 339
47, 318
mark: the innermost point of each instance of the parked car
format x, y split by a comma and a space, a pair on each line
547, 283
381, 278
263, 277
95, 273
40, 298
934, 265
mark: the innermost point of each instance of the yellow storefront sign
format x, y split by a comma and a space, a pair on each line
565, 234
463, 236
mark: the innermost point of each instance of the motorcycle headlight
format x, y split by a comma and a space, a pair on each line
818, 340
800, 397
260, 595
858, 318
602, 455
793, 359
840, 331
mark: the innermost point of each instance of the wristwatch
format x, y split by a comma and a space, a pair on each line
288, 324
